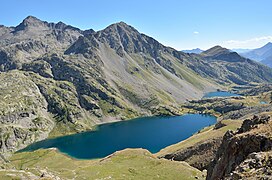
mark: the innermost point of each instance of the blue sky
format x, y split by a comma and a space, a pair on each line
181, 24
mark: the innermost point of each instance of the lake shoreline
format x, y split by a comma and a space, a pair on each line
136, 133
97, 126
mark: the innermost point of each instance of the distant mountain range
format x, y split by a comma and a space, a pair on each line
267, 61
240, 50
262, 54
57, 79
196, 51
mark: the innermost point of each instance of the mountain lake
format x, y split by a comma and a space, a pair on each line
151, 133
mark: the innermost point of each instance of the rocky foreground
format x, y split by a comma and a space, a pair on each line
246, 153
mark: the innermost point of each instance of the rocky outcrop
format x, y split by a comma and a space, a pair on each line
23, 115
220, 105
199, 156
238, 151
40, 67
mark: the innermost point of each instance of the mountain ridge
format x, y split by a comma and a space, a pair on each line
262, 54
218, 52
32, 21
196, 51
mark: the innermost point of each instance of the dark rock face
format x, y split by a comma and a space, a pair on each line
5, 62
85, 46
249, 124
40, 67
219, 125
254, 136
231, 57
199, 155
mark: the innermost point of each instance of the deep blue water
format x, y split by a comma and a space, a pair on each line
152, 133
219, 94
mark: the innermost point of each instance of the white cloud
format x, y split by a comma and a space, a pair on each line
248, 43
196, 32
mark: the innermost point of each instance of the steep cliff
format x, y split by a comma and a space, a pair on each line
246, 153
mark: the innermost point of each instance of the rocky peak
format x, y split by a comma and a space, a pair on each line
119, 28
60, 25
223, 54
120, 37
30, 21
215, 51
124, 38
265, 50
57, 26
88, 32
269, 44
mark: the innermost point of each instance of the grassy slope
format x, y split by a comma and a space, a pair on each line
126, 164
204, 135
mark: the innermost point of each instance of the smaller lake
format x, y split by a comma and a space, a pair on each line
263, 102
220, 94
151, 133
